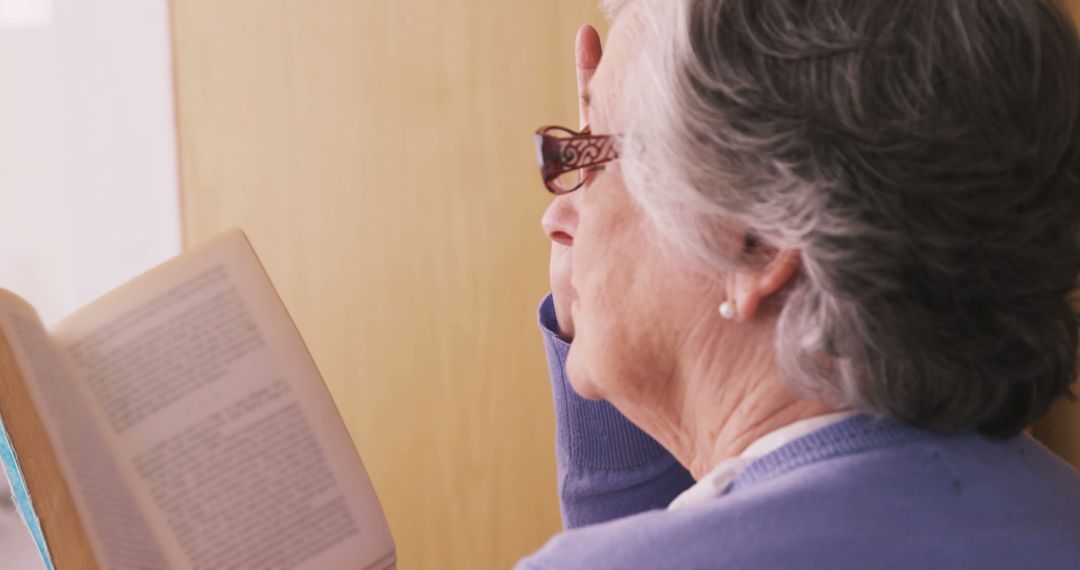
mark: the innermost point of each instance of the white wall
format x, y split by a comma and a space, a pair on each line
88, 168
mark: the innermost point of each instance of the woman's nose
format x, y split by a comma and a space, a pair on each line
560, 219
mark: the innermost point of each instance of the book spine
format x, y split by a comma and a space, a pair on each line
20, 494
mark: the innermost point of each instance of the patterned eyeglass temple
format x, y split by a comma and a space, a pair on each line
565, 156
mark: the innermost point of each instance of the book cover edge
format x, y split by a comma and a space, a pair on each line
20, 494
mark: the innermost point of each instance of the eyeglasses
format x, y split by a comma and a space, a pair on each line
567, 158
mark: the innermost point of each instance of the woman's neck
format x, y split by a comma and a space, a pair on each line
719, 402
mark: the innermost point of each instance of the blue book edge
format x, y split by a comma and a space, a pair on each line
21, 495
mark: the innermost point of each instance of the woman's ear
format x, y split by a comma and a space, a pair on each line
750, 287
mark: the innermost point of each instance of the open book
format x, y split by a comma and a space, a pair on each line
179, 422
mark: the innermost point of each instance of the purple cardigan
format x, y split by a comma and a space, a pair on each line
862, 493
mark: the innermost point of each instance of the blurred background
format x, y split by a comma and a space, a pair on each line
379, 156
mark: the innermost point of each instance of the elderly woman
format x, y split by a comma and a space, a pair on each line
811, 275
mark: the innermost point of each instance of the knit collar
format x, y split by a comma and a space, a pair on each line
716, 482
858, 433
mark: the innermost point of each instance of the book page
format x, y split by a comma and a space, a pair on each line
115, 526
224, 426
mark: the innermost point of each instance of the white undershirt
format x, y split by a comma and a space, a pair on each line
716, 482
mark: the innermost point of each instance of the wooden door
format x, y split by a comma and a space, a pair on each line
379, 155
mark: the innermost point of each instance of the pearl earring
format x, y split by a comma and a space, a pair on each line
727, 310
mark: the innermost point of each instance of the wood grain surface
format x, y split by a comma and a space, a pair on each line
379, 156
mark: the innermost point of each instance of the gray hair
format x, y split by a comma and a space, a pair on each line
921, 155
